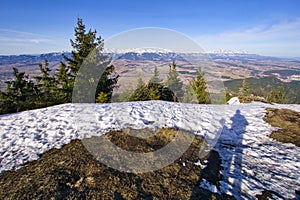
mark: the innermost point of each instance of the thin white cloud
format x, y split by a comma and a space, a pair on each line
2, 30
20, 42
265, 39
7, 36
39, 40
23, 40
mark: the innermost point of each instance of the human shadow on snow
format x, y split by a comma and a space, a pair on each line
230, 142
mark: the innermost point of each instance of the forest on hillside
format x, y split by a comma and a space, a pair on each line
96, 84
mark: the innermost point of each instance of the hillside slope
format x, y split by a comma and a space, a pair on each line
251, 161
291, 88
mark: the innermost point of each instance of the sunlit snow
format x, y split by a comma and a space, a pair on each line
251, 160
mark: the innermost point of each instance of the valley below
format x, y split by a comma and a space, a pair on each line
132, 65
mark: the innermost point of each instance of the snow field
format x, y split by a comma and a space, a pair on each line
251, 160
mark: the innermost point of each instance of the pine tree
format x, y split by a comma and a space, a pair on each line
154, 90
155, 78
199, 87
106, 84
102, 98
151, 91
64, 84
281, 95
272, 95
154, 85
47, 85
189, 96
141, 92
244, 90
98, 73
277, 95
84, 43
174, 83
20, 92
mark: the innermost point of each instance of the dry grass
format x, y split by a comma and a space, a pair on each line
251, 98
289, 123
73, 173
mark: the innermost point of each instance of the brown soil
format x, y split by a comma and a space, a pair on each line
73, 173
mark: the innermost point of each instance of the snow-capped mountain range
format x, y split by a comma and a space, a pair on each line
141, 51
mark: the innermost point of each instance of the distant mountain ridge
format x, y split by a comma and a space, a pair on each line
132, 54
170, 56
231, 65
30, 59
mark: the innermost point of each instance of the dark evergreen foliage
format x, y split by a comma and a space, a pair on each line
97, 76
23, 93
277, 95
20, 93
173, 81
47, 85
155, 89
199, 88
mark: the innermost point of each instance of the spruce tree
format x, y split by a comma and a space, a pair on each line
155, 78
21, 92
97, 67
281, 95
47, 85
277, 95
199, 87
153, 90
64, 84
84, 43
141, 92
244, 90
174, 83
154, 85
106, 84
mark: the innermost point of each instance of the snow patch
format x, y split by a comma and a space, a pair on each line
251, 161
233, 101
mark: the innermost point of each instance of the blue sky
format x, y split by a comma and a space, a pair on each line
267, 27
